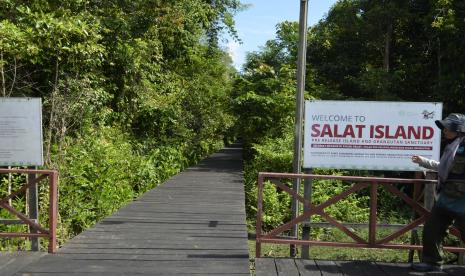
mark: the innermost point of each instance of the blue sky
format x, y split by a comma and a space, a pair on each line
257, 24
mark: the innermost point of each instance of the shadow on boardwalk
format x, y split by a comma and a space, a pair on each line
193, 224
300, 267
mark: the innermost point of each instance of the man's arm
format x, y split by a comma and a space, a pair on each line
425, 162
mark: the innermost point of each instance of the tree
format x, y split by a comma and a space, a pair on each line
133, 90
391, 50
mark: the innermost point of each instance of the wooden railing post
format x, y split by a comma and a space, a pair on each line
53, 194
33, 203
373, 214
306, 225
414, 238
430, 191
34, 177
258, 226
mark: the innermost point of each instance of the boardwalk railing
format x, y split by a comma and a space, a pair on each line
310, 209
39, 230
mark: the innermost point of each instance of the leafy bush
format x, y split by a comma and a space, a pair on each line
275, 155
96, 177
132, 92
15, 181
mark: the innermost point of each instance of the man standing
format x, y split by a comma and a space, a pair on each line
450, 202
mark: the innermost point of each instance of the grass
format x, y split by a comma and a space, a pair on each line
342, 253
334, 253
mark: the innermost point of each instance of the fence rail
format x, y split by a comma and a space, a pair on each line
40, 230
310, 209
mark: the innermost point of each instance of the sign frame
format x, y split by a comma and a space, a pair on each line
21, 137
370, 135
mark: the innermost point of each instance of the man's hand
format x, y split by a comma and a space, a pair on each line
416, 159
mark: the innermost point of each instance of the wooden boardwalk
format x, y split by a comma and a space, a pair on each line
193, 224
300, 267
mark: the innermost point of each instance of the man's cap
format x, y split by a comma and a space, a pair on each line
454, 122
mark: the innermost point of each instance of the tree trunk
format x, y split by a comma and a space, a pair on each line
52, 116
2, 72
387, 48
15, 68
439, 64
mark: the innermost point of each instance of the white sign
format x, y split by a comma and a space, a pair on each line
370, 135
21, 132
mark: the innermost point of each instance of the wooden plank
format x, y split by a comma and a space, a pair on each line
307, 267
286, 267
159, 256
216, 243
394, 269
193, 224
127, 274
359, 268
10, 263
57, 265
454, 270
328, 268
265, 267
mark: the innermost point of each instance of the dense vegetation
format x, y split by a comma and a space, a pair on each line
132, 91
135, 90
362, 50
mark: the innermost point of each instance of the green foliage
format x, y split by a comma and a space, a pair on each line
264, 104
133, 92
276, 206
391, 50
101, 172
336, 253
274, 156
14, 181
353, 209
264, 94
363, 50
96, 174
